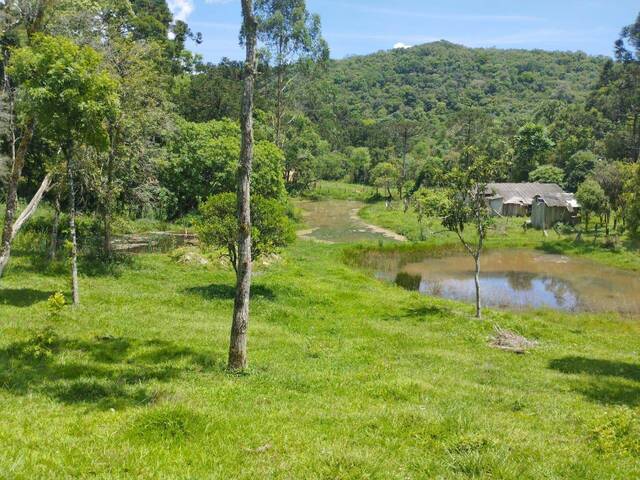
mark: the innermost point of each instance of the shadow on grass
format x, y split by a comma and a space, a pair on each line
227, 292
104, 372
22, 297
421, 314
89, 266
610, 382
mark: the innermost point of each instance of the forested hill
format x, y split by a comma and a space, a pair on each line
441, 77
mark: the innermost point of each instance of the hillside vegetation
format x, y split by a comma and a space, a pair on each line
440, 78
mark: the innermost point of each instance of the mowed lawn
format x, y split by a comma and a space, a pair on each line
349, 378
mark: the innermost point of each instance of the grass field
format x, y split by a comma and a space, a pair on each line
349, 378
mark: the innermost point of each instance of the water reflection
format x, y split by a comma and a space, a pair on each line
517, 279
408, 281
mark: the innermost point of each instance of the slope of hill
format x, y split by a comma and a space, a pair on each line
437, 79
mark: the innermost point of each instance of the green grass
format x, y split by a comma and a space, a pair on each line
325, 189
350, 378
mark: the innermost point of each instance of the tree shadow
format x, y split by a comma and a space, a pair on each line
105, 372
610, 380
221, 291
594, 366
421, 313
22, 297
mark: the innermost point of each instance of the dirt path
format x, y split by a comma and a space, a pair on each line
337, 221
376, 229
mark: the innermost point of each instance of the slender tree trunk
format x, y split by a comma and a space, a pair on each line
279, 106
12, 195
238, 340
107, 202
55, 228
75, 291
476, 278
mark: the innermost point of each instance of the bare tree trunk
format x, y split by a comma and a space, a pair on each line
279, 105
238, 340
55, 228
12, 195
75, 291
477, 282
31, 208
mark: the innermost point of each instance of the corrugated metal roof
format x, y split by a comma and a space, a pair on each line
563, 199
524, 192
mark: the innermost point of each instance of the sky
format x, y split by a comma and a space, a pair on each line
355, 27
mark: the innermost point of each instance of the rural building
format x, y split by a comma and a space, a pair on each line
516, 199
547, 210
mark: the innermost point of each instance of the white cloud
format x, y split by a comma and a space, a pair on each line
218, 2
181, 9
402, 46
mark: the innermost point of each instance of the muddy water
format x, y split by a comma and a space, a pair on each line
337, 221
520, 279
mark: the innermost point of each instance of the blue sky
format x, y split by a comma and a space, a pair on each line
365, 26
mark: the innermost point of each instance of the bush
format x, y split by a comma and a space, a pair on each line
218, 228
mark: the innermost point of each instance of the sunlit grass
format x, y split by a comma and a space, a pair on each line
349, 378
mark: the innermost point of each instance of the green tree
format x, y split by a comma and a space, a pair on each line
580, 165
592, 200
270, 226
291, 35
531, 146
203, 161
385, 176
244, 262
302, 150
428, 203
547, 174
66, 90
466, 205
359, 164
631, 200
611, 177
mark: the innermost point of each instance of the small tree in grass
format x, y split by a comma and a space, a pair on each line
592, 199
270, 227
465, 205
428, 203
385, 176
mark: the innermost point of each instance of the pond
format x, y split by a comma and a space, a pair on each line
337, 221
517, 279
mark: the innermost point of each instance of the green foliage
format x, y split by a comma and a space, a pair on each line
385, 175
360, 163
270, 227
55, 304
41, 345
531, 146
204, 159
429, 203
547, 174
333, 166
631, 201
618, 432
435, 81
578, 169
65, 89
592, 199
302, 148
